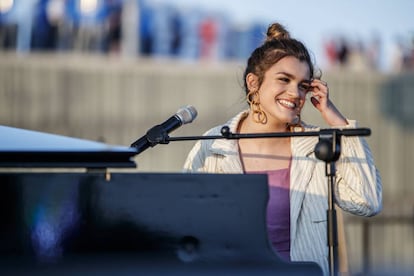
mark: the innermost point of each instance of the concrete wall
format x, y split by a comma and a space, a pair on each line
117, 101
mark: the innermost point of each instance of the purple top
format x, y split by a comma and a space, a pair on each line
278, 211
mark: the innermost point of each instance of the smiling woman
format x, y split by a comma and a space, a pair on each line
278, 76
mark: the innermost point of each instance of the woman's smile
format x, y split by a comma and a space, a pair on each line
287, 104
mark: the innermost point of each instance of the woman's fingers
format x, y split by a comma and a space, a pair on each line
320, 92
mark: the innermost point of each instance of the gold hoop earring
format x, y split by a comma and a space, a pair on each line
259, 116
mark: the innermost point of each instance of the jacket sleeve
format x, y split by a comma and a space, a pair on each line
197, 158
358, 187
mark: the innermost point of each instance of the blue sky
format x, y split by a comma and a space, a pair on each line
312, 21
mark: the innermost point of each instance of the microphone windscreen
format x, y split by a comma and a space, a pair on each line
187, 114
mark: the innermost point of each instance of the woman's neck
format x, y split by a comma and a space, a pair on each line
263, 153
248, 125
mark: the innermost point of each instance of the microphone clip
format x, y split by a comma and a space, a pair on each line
328, 148
226, 133
157, 135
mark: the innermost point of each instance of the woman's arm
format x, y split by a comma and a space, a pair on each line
358, 183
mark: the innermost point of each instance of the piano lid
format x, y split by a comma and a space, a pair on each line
28, 148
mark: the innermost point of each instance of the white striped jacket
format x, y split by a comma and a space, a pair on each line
358, 187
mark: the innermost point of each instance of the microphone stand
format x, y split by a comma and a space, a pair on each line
328, 149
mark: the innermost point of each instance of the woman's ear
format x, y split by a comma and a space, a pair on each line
252, 82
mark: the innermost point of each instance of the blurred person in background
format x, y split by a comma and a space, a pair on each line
44, 32
208, 38
113, 27
17, 17
398, 55
8, 25
93, 25
278, 77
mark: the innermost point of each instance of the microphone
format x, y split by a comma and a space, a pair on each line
159, 133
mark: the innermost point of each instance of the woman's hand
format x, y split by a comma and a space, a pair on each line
320, 100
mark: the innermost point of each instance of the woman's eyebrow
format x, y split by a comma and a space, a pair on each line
286, 74
307, 81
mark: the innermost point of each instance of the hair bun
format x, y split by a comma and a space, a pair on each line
277, 31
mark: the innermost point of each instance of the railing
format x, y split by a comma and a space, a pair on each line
381, 245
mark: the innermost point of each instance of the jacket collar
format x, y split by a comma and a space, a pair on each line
229, 148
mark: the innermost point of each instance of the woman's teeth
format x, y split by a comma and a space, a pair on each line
287, 104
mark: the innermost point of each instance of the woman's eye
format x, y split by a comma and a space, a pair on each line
284, 80
305, 87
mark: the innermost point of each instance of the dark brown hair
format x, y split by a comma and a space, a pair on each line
278, 44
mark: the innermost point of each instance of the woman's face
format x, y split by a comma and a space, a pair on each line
283, 91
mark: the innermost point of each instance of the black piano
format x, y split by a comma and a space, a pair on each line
63, 212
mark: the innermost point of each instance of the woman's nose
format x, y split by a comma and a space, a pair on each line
293, 91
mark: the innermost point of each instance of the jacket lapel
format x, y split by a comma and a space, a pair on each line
303, 164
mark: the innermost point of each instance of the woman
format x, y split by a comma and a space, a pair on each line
278, 77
